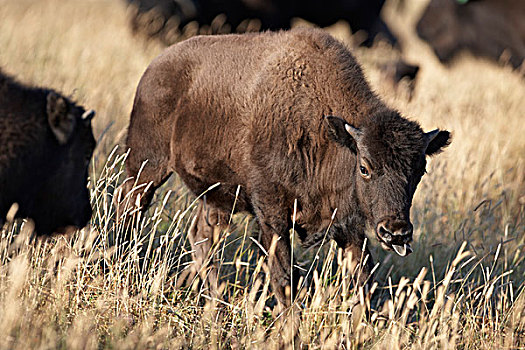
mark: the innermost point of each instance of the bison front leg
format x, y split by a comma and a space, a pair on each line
361, 263
203, 235
360, 266
275, 226
282, 278
351, 238
275, 239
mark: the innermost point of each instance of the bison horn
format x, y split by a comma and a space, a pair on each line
88, 115
354, 132
429, 136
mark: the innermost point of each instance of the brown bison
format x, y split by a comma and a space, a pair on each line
46, 143
289, 117
487, 28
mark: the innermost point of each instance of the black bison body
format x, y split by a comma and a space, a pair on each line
46, 143
289, 117
165, 18
487, 28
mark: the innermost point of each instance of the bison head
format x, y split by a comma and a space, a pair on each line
62, 200
390, 159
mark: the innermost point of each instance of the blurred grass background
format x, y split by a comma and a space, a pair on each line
54, 293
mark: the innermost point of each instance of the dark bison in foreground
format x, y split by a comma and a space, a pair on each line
287, 116
487, 28
46, 143
164, 19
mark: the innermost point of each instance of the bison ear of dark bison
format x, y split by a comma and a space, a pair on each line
341, 132
60, 121
436, 141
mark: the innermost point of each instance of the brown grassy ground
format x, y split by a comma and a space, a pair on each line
462, 287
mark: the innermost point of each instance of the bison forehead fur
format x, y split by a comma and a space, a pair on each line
287, 116
46, 142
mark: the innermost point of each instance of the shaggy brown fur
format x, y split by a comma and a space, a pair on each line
46, 143
269, 112
486, 28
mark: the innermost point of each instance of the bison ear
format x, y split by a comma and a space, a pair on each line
341, 132
437, 140
60, 121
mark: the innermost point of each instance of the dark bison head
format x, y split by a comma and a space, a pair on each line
63, 199
390, 161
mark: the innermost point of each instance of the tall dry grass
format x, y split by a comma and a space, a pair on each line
462, 287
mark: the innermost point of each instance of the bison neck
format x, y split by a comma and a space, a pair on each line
331, 191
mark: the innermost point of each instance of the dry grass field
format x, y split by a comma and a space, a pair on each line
463, 287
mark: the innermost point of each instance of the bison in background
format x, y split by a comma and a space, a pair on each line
289, 117
165, 19
489, 28
173, 20
46, 142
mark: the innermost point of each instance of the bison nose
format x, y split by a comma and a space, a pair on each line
397, 234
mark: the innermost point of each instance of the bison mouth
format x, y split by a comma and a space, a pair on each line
395, 243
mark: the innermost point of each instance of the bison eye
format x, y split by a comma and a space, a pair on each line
364, 172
